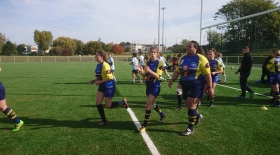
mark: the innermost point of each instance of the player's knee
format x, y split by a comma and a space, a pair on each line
179, 91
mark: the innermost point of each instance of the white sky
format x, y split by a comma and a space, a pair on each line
110, 20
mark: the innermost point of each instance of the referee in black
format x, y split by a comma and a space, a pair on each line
245, 70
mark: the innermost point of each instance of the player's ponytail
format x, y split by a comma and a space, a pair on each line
199, 50
103, 55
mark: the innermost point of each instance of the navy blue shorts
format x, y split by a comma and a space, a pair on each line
2, 92
215, 78
274, 79
108, 88
193, 89
152, 88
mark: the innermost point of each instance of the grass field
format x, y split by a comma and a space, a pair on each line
58, 108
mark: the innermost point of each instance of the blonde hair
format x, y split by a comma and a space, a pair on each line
220, 55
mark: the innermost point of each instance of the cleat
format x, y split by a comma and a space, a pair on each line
162, 118
18, 126
125, 104
102, 123
197, 121
211, 105
187, 132
240, 96
252, 94
140, 81
142, 129
178, 108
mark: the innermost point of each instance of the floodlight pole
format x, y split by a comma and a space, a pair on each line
163, 8
201, 9
158, 22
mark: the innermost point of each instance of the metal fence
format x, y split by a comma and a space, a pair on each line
226, 59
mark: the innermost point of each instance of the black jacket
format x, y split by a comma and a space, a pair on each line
246, 63
266, 61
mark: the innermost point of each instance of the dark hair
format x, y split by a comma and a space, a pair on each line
102, 54
199, 50
134, 54
245, 47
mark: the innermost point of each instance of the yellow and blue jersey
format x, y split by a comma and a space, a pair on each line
156, 66
103, 71
274, 65
192, 67
215, 65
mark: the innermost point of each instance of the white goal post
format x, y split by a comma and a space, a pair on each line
234, 20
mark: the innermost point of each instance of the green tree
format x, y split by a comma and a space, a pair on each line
214, 38
127, 49
65, 43
122, 44
21, 48
43, 39
185, 42
9, 49
3, 41
258, 28
79, 47
92, 47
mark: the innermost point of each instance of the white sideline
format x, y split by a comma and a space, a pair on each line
145, 136
240, 89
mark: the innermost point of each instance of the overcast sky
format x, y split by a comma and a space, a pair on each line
110, 20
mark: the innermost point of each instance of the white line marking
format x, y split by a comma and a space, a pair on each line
145, 136
240, 89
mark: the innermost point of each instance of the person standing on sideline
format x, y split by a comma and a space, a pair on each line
106, 86
112, 64
219, 57
265, 71
134, 64
152, 73
245, 70
141, 59
275, 76
194, 69
8, 111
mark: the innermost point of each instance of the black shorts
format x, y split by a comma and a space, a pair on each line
135, 71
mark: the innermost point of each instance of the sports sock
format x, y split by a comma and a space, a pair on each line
11, 114
179, 98
192, 118
225, 78
211, 100
115, 104
147, 117
101, 112
277, 99
158, 110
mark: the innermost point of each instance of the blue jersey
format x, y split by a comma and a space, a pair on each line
156, 66
103, 71
192, 67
